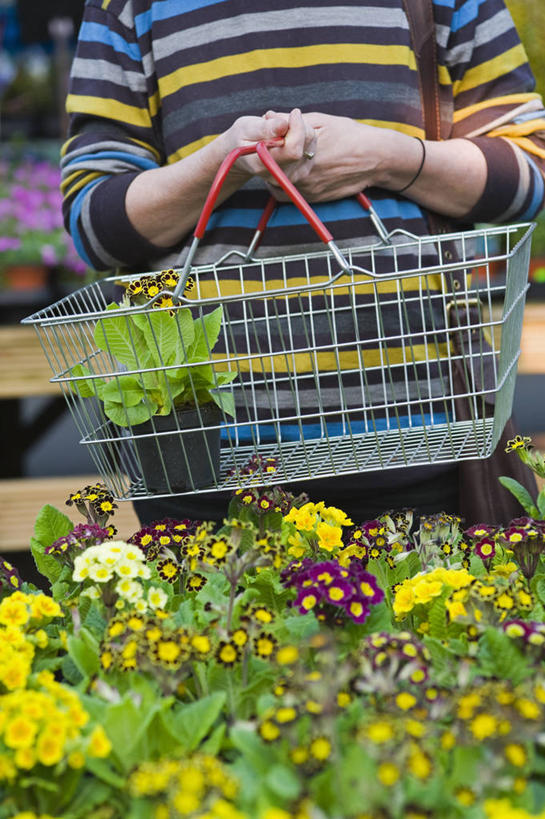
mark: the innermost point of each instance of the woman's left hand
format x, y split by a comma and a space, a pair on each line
347, 156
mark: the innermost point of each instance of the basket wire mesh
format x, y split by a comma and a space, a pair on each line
403, 356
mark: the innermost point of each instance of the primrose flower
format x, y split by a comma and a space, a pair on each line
331, 589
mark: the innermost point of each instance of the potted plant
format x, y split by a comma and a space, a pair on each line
154, 375
33, 240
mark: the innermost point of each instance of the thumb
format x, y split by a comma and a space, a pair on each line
277, 127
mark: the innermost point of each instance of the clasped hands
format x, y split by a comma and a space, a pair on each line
345, 154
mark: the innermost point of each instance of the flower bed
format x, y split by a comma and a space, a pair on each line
292, 663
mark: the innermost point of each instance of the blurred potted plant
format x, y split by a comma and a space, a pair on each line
33, 240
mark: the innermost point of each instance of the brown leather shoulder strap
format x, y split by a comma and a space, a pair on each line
422, 27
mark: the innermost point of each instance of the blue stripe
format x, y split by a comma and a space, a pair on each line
449, 4
292, 432
535, 205
287, 214
97, 33
465, 14
169, 8
75, 211
139, 161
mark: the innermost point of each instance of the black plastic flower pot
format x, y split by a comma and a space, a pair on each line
182, 452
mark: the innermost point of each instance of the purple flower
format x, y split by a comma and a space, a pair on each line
9, 243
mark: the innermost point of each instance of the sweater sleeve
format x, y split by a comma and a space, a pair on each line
497, 108
112, 137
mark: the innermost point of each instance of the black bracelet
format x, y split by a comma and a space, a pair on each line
419, 171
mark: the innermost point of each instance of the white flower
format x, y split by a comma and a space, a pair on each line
126, 568
144, 571
157, 597
81, 569
93, 592
134, 553
129, 589
100, 573
141, 606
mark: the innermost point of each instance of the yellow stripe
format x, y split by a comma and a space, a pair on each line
105, 4
148, 147
491, 69
510, 99
519, 129
154, 103
231, 287
67, 183
331, 361
191, 147
108, 108
529, 146
333, 54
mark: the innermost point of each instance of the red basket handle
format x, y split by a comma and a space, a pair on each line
262, 150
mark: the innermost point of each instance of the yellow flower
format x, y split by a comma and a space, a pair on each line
516, 754
287, 655
405, 700
45, 607
528, 709
320, 748
49, 749
25, 758
76, 760
465, 797
388, 773
419, 764
484, 726
20, 733
13, 612
404, 600
426, 590
329, 537
99, 744
380, 732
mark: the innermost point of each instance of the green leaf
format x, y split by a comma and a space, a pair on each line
164, 342
88, 388
438, 616
207, 329
500, 657
193, 722
124, 389
213, 744
541, 504
225, 401
50, 525
130, 416
83, 649
522, 495
283, 782
121, 338
102, 770
252, 748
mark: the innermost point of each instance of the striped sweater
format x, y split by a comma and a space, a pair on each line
154, 80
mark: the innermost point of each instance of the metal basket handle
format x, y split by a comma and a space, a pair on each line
262, 150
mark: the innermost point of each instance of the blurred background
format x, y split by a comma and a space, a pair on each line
38, 263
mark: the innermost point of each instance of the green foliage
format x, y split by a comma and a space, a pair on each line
50, 525
174, 348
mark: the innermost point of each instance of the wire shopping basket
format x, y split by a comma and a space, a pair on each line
399, 353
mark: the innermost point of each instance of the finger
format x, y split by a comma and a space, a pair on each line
276, 127
296, 135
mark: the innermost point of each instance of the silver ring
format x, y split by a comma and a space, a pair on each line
308, 154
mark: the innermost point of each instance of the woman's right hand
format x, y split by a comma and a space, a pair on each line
298, 139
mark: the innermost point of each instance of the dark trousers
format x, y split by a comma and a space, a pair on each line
363, 497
